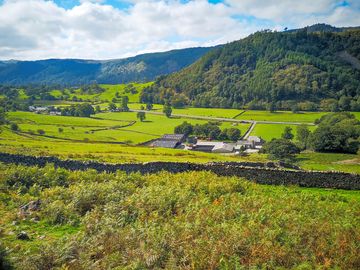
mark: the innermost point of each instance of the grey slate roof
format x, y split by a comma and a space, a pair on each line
166, 143
176, 137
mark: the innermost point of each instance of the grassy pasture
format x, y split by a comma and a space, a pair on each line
329, 161
105, 127
98, 147
108, 94
270, 131
159, 124
281, 116
209, 112
34, 145
224, 113
28, 117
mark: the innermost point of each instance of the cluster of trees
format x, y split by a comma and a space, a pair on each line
91, 89
80, 110
122, 107
130, 89
336, 133
283, 148
269, 69
208, 130
2, 115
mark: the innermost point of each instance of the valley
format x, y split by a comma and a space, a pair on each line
119, 136
244, 155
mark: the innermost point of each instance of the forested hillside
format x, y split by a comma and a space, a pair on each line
71, 72
299, 70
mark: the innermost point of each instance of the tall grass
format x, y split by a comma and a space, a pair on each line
175, 221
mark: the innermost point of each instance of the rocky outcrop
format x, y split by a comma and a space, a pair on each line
29, 208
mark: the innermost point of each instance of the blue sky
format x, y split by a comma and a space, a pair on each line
107, 29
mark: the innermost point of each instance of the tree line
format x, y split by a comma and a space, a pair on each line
210, 130
335, 133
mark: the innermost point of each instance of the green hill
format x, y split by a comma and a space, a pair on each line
301, 69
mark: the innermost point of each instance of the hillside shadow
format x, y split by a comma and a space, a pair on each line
300, 159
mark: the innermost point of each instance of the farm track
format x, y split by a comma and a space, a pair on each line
248, 132
226, 119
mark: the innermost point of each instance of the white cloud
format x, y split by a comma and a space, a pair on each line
92, 1
35, 29
301, 13
93, 30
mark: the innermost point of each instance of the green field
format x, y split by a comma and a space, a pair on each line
114, 153
113, 136
105, 127
329, 162
108, 94
223, 113
270, 131
283, 116
253, 115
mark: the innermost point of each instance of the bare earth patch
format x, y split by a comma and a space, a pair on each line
354, 161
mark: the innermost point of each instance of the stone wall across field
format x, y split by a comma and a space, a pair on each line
263, 173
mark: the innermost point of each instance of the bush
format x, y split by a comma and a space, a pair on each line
185, 128
14, 127
281, 149
233, 134
58, 213
287, 134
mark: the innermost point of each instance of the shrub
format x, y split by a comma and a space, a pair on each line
58, 213
287, 134
281, 149
14, 127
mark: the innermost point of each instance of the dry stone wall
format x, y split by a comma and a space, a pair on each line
263, 173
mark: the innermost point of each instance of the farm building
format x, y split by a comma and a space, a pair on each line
257, 141
37, 109
251, 144
176, 137
215, 147
169, 141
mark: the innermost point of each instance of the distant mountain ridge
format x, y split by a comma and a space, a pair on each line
141, 68
322, 27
